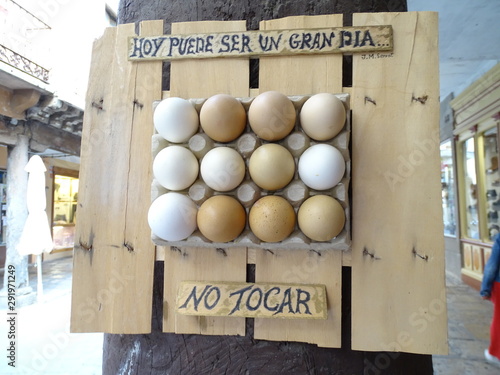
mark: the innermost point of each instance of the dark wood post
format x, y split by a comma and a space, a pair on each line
165, 353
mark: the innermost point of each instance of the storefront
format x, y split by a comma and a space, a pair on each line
449, 189
61, 186
62, 195
477, 120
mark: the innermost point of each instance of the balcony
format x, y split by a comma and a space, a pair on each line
23, 64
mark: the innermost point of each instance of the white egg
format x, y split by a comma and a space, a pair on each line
176, 119
172, 217
222, 168
321, 167
175, 168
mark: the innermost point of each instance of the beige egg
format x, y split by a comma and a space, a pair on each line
272, 218
322, 116
321, 218
223, 118
271, 166
221, 218
271, 116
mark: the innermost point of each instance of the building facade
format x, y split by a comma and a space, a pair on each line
470, 175
45, 49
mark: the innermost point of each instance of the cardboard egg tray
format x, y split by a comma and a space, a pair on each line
248, 192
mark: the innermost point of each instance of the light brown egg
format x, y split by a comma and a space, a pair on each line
271, 166
321, 218
272, 218
223, 118
221, 218
271, 116
322, 116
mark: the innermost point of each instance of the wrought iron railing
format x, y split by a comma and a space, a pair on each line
14, 59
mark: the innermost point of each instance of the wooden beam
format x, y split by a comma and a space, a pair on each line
13, 103
398, 279
54, 138
8, 133
5, 109
21, 100
42, 137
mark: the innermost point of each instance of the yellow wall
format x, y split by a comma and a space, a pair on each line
3, 157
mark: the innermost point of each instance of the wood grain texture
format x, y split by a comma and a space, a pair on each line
398, 292
202, 79
301, 75
15, 103
114, 256
307, 267
201, 264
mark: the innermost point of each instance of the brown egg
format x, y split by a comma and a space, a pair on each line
321, 218
271, 116
322, 116
221, 218
272, 218
271, 166
223, 118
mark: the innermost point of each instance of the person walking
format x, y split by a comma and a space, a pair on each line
490, 290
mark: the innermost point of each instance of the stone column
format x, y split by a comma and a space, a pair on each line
17, 213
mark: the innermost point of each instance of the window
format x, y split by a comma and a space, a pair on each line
491, 182
64, 214
470, 190
448, 189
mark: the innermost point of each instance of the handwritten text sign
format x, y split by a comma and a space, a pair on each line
255, 43
252, 300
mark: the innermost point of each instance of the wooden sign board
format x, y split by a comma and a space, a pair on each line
252, 300
255, 43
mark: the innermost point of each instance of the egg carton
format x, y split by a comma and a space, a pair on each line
247, 193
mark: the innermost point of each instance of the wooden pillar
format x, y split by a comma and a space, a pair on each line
17, 213
160, 353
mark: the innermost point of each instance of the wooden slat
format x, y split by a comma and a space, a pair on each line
199, 79
307, 267
201, 264
113, 261
203, 78
148, 84
398, 292
14, 103
300, 75
92, 174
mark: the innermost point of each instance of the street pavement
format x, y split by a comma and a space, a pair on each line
469, 318
45, 345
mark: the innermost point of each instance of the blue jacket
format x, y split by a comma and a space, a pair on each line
492, 269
